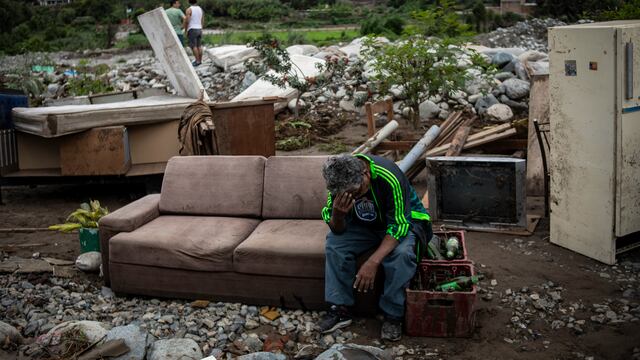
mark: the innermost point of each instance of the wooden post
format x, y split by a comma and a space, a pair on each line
373, 141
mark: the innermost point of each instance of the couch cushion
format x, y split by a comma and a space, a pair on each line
183, 242
294, 187
283, 248
213, 185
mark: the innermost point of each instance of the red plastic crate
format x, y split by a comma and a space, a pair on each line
463, 247
441, 314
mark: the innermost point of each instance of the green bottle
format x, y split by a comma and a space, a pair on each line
453, 246
459, 283
433, 250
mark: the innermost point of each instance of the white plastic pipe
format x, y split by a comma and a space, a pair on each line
377, 138
419, 149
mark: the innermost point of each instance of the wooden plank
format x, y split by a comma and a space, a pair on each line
154, 143
99, 151
458, 141
494, 130
470, 144
538, 109
246, 130
171, 54
146, 169
396, 145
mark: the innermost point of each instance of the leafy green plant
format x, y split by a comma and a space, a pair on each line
423, 67
86, 216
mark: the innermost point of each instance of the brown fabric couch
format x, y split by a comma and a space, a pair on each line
227, 228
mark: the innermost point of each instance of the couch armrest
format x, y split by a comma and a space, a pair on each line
125, 219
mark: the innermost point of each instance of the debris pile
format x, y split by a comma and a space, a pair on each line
529, 34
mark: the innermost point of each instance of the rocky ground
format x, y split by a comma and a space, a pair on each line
537, 300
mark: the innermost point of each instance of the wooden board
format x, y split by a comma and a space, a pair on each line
245, 130
35, 153
63, 120
154, 143
171, 54
99, 151
538, 109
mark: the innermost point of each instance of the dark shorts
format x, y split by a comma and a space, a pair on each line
195, 38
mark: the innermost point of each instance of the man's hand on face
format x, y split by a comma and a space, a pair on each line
366, 276
342, 204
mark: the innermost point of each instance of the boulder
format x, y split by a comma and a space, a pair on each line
229, 55
353, 49
360, 98
93, 330
485, 102
292, 105
354, 352
429, 110
9, 335
513, 104
249, 79
89, 261
348, 105
262, 356
397, 91
136, 339
521, 71
516, 88
175, 349
308, 50
473, 98
502, 76
499, 113
501, 59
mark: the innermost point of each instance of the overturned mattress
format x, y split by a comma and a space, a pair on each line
56, 121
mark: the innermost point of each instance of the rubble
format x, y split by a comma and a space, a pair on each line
530, 34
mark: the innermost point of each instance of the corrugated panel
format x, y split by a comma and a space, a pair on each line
8, 151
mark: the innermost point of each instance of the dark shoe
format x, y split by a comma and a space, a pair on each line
337, 317
391, 330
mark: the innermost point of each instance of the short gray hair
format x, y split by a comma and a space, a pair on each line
342, 173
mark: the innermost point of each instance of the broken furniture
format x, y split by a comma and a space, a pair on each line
229, 228
594, 86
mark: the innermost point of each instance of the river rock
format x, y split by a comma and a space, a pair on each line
9, 335
248, 80
499, 113
501, 59
347, 105
292, 105
136, 339
516, 88
429, 110
353, 351
502, 76
93, 330
485, 102
262, 356
175, 349
89, 261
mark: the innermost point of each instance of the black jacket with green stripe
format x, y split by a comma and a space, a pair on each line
394, 197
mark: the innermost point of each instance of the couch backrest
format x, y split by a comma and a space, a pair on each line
294, 187
213, 185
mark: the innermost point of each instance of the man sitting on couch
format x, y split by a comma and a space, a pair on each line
371, 205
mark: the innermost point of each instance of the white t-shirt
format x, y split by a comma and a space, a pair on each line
195, 22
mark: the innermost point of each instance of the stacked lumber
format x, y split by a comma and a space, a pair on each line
455, 137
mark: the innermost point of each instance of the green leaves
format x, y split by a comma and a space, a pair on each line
423, 67
86, 216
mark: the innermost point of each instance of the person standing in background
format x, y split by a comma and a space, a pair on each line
176, 18
193, 24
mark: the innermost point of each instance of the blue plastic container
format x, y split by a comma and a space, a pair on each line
8, 100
